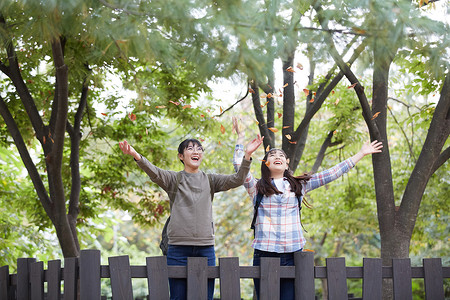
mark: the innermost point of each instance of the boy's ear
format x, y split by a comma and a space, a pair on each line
180, 156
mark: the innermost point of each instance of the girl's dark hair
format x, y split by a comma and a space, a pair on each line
264, 185
184, 144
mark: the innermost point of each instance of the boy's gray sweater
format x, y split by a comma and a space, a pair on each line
191, 222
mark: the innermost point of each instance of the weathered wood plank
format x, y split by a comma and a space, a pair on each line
54, 280
90, 287
157, 278
401, 273
197, 278
23, 278
269, 287
70, 278
434, 282
372, 279
4, 283
37, 280
121, 284
230, 284
304, 275
336, 278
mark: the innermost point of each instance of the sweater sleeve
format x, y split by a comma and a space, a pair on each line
225, 182
161, 177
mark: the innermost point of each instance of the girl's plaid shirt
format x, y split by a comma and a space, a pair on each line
278, 228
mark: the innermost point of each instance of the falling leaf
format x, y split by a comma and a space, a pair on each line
267, 148
262, 160
312, 100
337, 101
272, 129
160, 106
220, 144
334, 132
104, 114
308, 250
263, 96
176, 103
269, 95
358, 30
375, 115
300, 66
222, 129
332, 92
221, 110
262, 105
290, 69
43, 139
202, 115
251, 91
187, 106
285, 85
284, 127
267, 163
202, 140
257, 123
306, 91
279, 115
292, 142
288, 136
132, 117
352, 86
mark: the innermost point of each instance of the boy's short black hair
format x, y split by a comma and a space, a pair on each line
184, 144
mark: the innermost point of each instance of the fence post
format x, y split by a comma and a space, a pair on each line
433, 278
4, 283
37, 280
401, 277
90, 275
269, 285
54, 280
336, 278
23, 278
304, 275
197, 278
372, 278
230, 285
157, 278
70, 278
120, 274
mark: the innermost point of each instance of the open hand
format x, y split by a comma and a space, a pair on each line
253, 145
370, 148
128, 149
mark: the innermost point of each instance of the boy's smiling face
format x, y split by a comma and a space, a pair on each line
192, 157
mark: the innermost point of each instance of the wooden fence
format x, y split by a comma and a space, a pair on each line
84, 274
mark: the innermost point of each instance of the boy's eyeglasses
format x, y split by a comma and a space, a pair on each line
197, 149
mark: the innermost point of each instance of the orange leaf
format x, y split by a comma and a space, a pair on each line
251, 91
352, 86
160, 106
272, 129
269, 95
306, 91
308, 250
312, 100
43, 139
176, 103
202, 140
262, 105
267, 148
300, 66
220, 143
132, 117
202, 115
292, 142
284, 127
290, 69
337, 101
104, 114
279, 115
285, 85
257, 123
187, 106
267, 163
222, 129
332, 92
375, 115
221, 110
288, 136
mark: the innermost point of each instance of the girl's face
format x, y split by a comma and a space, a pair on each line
192, 157
277, 162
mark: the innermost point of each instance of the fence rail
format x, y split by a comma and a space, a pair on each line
84, 274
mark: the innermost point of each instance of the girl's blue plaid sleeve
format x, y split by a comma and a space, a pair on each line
319, 179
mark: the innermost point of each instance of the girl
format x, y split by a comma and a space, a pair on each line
278, 231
